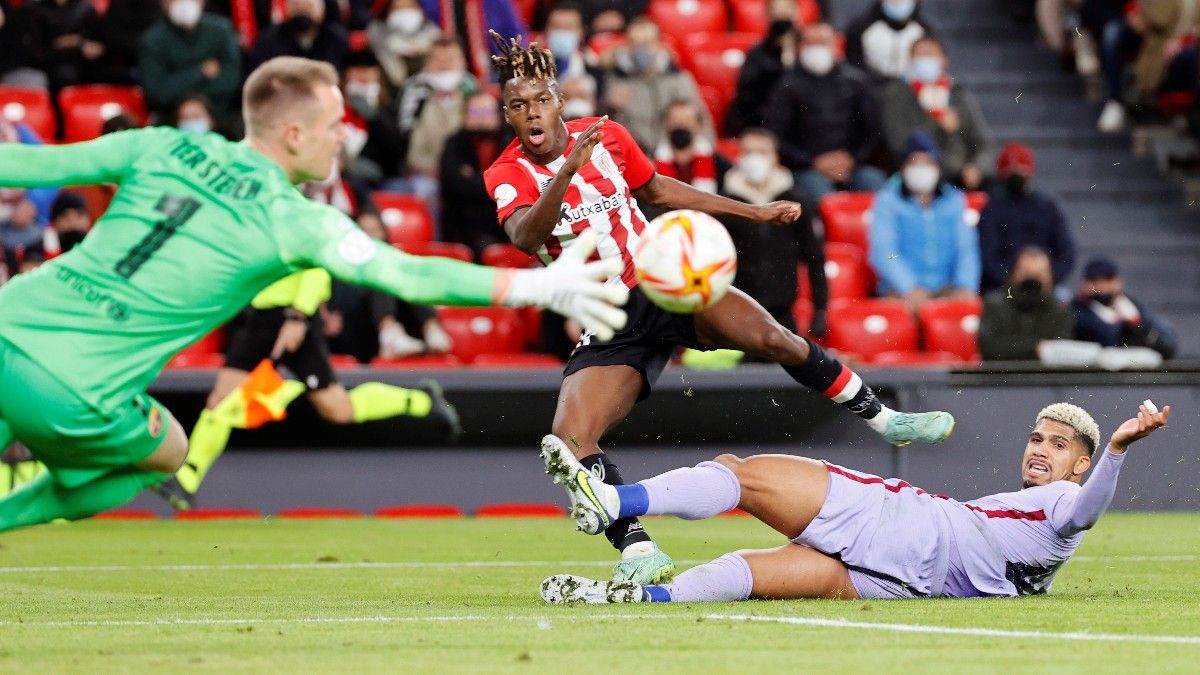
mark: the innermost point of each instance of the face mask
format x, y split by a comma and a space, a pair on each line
1028, 293
185, 13
817, 60
898, 11
1016, 184
70, 239
406, 20
680, 139
756, 166
562, 42
445, 81
1105, 299
195, 125
301, 23
363, 97
925, 69
578, 107
643, 60
921, 179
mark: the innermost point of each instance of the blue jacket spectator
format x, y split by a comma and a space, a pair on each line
1017, 217
1105, 315
921, 245
41, 197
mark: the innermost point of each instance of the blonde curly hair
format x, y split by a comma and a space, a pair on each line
1075, 417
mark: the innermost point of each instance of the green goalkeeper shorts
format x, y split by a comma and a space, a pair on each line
74, 440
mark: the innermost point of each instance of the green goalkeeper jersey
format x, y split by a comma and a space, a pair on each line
198, 226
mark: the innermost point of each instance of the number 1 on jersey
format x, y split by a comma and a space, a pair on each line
178, 211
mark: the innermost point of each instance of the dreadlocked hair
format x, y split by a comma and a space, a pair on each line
521, 62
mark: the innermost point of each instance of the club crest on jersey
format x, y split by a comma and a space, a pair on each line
584, 211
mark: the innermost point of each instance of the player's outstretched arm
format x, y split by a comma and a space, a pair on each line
104, 160
667, 192
570, 286
1097, 493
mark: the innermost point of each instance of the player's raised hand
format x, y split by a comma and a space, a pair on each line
1146, 422
575, 288
582, 152
778, 212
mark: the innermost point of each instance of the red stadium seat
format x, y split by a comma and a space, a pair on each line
482, 330
517, 361
198, 360
343, 361
730, 148
717, 103
802, 312
419, 361
847, 271
869, 327
681, 18
406, 218
847, 217
441, 249
602, 42
910, 359
716, 60
952, 326
750, 16
975, 203
86, 107
31, 107
507, 255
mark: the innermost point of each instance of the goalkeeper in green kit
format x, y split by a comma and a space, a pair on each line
198, 227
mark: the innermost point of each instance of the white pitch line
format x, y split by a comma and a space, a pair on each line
926, 629
484, 564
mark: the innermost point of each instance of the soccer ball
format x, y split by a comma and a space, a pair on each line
685, 261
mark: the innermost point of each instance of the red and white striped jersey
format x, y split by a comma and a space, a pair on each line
600, 195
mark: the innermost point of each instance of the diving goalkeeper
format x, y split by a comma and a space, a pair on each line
198, 227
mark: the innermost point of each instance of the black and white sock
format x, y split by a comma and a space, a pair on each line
832, 378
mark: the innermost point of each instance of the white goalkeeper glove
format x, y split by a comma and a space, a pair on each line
575, 288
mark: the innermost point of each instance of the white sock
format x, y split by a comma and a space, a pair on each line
879, 422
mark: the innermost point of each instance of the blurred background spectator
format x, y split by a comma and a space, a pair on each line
69, 224
21, 57
881, 39
921, 245
110, 46
930, 101
579, 97
400, 36
42, 197
1016, 217
1018, 317
826, 121
68, 52
19, 229
566, 39
769, 253
469, 22
194, 114
685, 153
307, 32
642, 78
611, 16
765, 65
468, 212
186, 52
1106, 315
431, 110
374, 143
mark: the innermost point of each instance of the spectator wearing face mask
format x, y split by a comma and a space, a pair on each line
374, 146
929, 101
194, 115
565, 38
1023, 314
19, 229
20, 60
880, 40
579, 97
921, 245
42, 198
766, 64
1017, 217
69, 223
685, 153
642, 79
400, 36
305, 33
468, 212
431, 110
825, 119
1104, 314
188, 51
769, 253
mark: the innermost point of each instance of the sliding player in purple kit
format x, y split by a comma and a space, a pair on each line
855, 535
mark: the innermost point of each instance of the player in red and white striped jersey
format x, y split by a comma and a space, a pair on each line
558, 179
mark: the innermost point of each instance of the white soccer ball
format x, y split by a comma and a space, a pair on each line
685, 261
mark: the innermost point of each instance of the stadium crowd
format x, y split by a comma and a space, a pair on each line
911, 212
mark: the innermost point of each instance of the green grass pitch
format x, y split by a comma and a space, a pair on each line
461, 596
